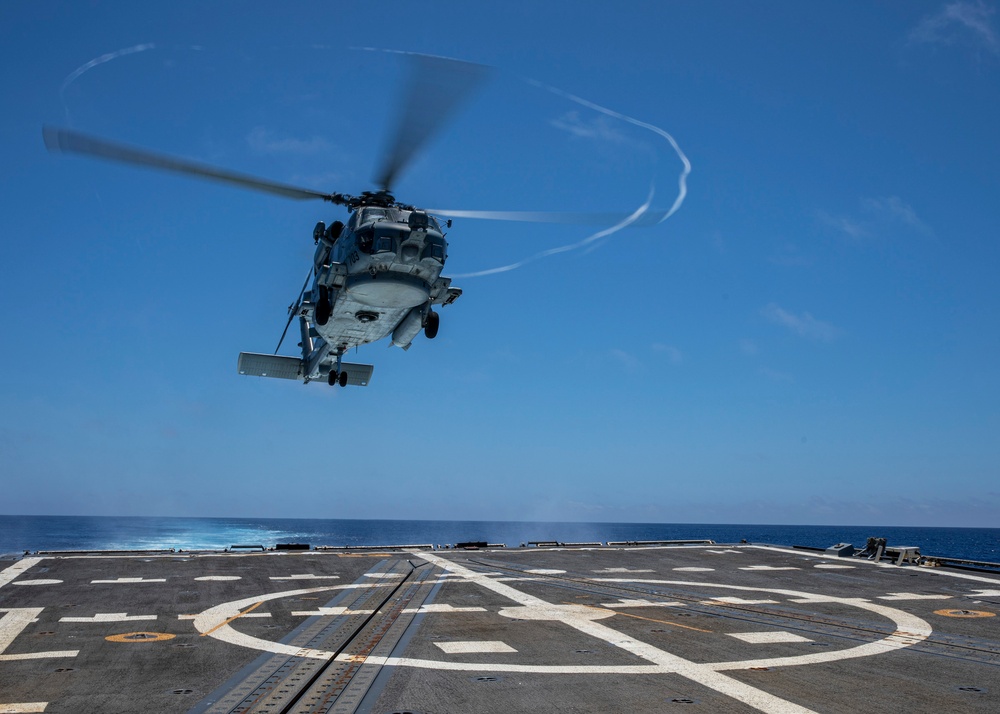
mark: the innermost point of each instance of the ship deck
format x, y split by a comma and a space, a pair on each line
719, 628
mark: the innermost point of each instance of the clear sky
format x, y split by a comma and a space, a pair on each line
811, 338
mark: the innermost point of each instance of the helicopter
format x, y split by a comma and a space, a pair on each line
376, 276
379, 274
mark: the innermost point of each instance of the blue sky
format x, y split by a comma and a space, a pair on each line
810, 338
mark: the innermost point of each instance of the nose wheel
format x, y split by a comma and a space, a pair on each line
431, 325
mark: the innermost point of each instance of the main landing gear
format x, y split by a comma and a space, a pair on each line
337, 376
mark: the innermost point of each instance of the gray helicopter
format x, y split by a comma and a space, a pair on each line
377, 276
380, 274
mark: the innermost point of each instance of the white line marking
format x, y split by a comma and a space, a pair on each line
723, 552
118, 581
757, 638
738, 601
912, 596
307, 576
209, 578
109, 617
23, 708
244, 615
623, 602
769, 567
21, 566
37, 582
328, 611
622, 570
442, 607
38, 655
545, 571
12, 624
834, 566
694, 570
474, 647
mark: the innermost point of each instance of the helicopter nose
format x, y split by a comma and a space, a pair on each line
410, 252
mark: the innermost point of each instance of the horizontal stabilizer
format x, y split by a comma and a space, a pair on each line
254, 364
357, 374
258, 365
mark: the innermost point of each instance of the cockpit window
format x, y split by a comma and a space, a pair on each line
387, 239
434, 249
365, 240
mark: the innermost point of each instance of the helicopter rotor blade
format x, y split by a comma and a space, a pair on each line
293, 310
437, 88
566, 218
67, 141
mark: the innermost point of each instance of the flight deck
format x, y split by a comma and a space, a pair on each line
586, 628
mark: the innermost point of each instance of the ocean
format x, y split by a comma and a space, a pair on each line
19, 534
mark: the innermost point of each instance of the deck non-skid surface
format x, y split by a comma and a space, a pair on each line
701, 628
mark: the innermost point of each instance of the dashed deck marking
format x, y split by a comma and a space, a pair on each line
834, 566
13, 623
37, 582
624, 602
621, 570
474, 647
109, 617
306, 576
22, 566
219, 578
442, 608
912, 596
694, 570
729, 600
769, 567
327, 611
757, 638
545, 571
124, 581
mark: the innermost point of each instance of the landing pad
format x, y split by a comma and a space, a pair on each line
714, 628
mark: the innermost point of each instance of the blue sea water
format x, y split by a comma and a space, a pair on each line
32, 533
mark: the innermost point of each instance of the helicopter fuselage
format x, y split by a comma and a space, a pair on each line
377, 276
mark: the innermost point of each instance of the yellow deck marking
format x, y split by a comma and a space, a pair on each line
965, 613
141, 637
649, 619
234, 617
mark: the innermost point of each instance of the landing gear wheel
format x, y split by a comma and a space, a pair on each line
332, 378
323, 307
343, 379
431, 325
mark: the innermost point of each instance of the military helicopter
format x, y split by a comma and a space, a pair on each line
378, 275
